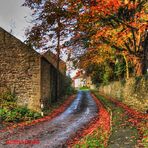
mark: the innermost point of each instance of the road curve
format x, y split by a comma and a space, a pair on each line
55, 133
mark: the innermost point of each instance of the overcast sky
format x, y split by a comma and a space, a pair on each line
14, 16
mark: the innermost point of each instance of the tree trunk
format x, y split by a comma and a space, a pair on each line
145, 52
58, 62
138, 66
127, 66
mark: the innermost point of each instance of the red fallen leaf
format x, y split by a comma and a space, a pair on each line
124, 124
139, 141
132, 137
145, 136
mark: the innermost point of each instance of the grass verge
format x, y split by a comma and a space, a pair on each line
125, 119
93, 141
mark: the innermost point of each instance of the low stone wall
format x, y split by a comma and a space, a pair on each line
133, 92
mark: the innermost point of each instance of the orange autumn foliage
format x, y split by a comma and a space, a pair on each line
114, 25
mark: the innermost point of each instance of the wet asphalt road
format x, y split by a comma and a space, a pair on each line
55, 133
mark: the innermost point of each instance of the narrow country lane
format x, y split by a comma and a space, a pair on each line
55, 133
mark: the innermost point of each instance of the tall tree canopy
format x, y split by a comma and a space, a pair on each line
113, 28
52, 25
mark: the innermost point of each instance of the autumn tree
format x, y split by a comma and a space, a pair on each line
124, 30
51, 26
117, 27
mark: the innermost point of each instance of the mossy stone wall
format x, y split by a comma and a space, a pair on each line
133, 92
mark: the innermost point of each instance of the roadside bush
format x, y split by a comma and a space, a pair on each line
18, 114
11, 112
8, 97
8, 101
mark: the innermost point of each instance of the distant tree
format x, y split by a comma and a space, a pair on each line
101, 73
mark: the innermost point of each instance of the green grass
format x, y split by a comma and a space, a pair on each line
84, 88
96, 140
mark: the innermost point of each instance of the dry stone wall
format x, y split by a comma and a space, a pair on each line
133, 92
45, 82
19, 70
27, 74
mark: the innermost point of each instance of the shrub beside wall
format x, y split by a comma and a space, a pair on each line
11, 112
133, 92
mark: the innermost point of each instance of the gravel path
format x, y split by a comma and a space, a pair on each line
55, 133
